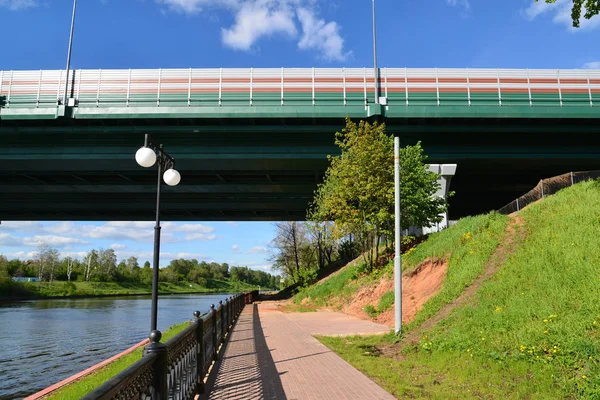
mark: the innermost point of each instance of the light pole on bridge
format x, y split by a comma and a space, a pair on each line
147, 156
69, 54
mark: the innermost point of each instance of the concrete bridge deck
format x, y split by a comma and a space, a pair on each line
272, 355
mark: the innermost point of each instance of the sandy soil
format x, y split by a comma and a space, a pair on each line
417, 287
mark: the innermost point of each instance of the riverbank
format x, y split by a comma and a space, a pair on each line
78, 290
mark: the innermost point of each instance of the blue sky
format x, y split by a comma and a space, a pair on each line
268, 33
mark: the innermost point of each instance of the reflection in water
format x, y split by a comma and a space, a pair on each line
46, 341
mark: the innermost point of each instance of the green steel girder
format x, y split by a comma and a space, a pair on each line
263, 163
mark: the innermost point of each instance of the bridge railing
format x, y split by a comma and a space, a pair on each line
177, 368
300, 87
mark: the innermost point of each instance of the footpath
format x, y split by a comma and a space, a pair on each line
273, 355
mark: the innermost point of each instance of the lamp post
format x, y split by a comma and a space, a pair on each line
69, 53
146, 157
375, 70
397, 241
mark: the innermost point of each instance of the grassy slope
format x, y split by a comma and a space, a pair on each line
78, 389
115, 288
469, 244
532, 331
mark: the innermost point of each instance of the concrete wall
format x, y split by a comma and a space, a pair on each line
446, 171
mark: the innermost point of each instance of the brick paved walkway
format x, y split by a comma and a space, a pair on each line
272, 356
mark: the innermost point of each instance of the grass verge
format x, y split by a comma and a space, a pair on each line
445, 375
78, 389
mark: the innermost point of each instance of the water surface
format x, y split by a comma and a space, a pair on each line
45, 341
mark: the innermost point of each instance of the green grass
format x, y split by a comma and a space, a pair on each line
66, 289
78, 389
339, 287
386, 302
444, 375
532, 330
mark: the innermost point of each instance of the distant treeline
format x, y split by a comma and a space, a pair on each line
101, 266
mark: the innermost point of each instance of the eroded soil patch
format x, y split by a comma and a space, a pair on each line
418, 286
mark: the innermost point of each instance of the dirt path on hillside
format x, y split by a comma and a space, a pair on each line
515, 234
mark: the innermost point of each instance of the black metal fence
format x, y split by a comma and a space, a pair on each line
176, 369
547, 187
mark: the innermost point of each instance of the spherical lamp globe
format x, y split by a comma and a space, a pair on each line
146, 157
172, 177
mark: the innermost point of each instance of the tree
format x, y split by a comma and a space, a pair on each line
592, 8
147, 264
288, 242
108, 262
90, 260
52, 260
132, 263
69, 261
358, 190
323, 241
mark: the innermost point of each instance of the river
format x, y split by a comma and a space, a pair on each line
45, 341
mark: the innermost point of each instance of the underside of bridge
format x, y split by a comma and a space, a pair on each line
253, 169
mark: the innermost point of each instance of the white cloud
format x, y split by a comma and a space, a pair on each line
22, 255
52, 240
200, 236
184, 6
80, 255
61, 228
111, 232
258, 18
256, 266
561, 14
21, 226
321, 36
9, 240
173, 227
258, 250
17, 4
236, 249
195, 6
118, 246
591, 65
189, 256
460, 3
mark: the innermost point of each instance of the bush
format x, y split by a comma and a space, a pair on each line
386, 302
371, 311
69, 289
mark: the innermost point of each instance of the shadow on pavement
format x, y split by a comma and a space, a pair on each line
272, 387
247, 370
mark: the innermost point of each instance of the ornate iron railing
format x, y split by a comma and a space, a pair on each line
177, 369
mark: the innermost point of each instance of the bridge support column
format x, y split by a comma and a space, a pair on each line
446, 172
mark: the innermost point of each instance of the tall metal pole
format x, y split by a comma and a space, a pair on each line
156, 247
375, 70
69, 53
398, 256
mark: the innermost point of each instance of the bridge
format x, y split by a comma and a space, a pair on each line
251, 144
